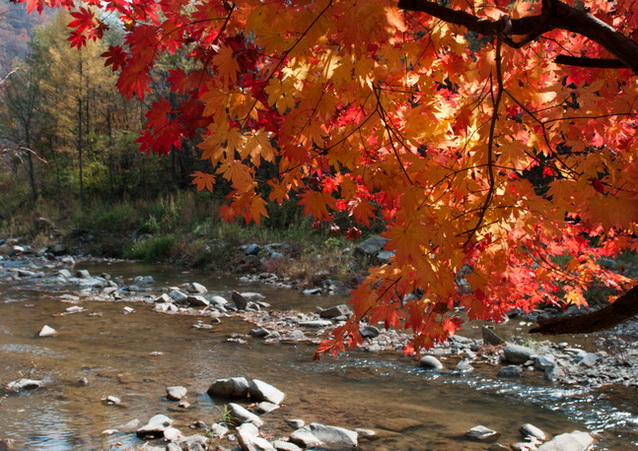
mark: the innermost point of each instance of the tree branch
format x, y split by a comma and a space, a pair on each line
555, 15
620, 310
602, 63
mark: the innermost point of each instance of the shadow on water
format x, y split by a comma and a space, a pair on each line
411, 408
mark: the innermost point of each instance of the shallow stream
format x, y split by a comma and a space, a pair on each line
114, 352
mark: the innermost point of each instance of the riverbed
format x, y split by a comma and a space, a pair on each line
135, 356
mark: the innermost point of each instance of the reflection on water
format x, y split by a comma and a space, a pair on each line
114, 352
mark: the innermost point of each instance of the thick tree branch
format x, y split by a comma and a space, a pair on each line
555, 15
623, 308
602, 63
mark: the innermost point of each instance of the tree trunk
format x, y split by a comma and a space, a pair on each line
623, 308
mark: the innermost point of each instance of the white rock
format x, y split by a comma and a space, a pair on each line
47, 331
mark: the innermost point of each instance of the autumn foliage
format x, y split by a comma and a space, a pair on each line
502, 176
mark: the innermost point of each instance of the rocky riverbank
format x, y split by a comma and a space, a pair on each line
615, 361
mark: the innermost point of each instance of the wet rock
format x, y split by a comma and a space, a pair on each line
171, 434
295, 423
83, 274
262, 391
232, 387
83, 381
316, 435
218, 430
588, 360
531, 431
297, 335
197, 301
252, 296
240, 301
126, 310
398, 424
112, 400
198, 288
260, 332
155, 427
335, 311
47, 331
545, 361
65, 273
554, 373
178, 296
571, 441
280, 445
129, 427
143, 280
195, 442
464, 366
510, 371
265, 407
24, 384
176, 393
163, 298
481, 433
369, 332
516, 354
431, 363
218, 301
240, 415
490, 337
312, 292
249, 439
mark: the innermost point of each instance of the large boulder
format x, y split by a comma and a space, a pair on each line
262, 391
317, 435
232, 387
516, 354
155, 427
241, 415
571, 441
430, 363
240, 301
335, 311
249, 439
371, 247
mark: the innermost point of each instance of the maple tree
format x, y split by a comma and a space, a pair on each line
496, 139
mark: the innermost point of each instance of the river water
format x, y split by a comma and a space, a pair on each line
117, 353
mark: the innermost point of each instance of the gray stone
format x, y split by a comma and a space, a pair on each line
197, 301
47, 331
554, 373
218, 301
588, 360
372, 246
385, 256
240, 301
24, 384
571, 441
510, 371
369, 331
197, 288
252, 249
431, 363
490, 337
260, 332
265, 407
516, 354
545, 361
280, 445
112, 400
464, 366
218, 430
129, 427
176, 392
195, 442
155, 427
481, 433
163, 298
335, 311
295, 423
178, 296
83, 274
232, 387
252, 296
240, 415
65, 273
249, 439
317, 435
262, 391
297, 335
529, 430
312, 292
171, 434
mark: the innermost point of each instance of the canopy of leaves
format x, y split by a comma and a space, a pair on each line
487, 161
